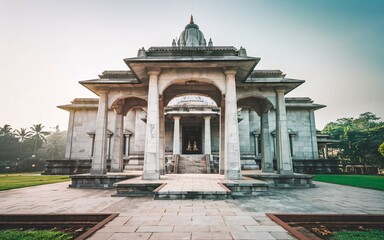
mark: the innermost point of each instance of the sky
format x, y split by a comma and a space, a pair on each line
48, 46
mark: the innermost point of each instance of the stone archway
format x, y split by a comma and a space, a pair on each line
121, 107
261, 106
194, 126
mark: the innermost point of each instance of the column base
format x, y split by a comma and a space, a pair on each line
116, 170
267, 170
98, 171
233, 175
285, 172
151, 175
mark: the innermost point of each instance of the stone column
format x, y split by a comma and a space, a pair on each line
315, 149
256, 136
127, 146
266, 152
244, 132
139, 133
221, 138
68, 145
176, 135
99, 160
284, 159
161, 137
325, 151
130, 126
118, 144
232, 150
207, 135
151, 166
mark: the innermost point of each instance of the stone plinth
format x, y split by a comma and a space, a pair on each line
284, 181
97, 181
70, 167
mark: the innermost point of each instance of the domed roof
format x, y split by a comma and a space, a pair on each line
191, 36
192, 100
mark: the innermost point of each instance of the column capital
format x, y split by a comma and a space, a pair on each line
280, 89
153, 71
176, 116
256, 133
207, 116
229, 70
103, 90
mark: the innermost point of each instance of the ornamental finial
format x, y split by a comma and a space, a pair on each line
191, 21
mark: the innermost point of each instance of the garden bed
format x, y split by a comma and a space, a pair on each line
79, 226
324, 226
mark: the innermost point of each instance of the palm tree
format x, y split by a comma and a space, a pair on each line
6, 130
22, 135
38, 134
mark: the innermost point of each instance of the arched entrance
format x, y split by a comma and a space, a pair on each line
192, 111
192, 130
262, 136
126, 109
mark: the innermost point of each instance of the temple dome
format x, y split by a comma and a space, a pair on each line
191, 36
192, 100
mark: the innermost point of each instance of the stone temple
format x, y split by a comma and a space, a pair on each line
191, 107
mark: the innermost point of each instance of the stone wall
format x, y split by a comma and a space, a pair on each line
84, 123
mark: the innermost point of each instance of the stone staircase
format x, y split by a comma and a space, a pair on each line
135, 163
192, 164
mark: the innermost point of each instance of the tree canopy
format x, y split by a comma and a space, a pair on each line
22, 147
359, 138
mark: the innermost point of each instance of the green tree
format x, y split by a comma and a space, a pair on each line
22, 134
6, 130
359, 138
381, 149
38, 135
8, 149
54, 147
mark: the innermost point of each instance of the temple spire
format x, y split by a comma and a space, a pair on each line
191, 20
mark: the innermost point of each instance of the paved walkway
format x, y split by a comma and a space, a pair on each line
325, 198
185, 182
144, 218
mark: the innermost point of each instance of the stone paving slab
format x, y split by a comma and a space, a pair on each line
145, 218
325, 198
190, 186
189, 226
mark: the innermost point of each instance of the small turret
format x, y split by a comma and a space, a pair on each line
210, 43
141, 52
242, 52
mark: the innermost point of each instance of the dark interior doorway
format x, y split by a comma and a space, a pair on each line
192, 140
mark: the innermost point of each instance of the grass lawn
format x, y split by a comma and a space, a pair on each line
363, 181
20, 180
33, 235
355, 235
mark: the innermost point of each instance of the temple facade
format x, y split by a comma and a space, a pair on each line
192, 107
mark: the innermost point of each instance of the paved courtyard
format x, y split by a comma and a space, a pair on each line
144, 218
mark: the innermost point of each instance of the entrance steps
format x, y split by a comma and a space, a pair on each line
192, 163
190, 186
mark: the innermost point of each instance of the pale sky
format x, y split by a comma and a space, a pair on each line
47, 46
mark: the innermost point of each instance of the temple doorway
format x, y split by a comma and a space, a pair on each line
192, 140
